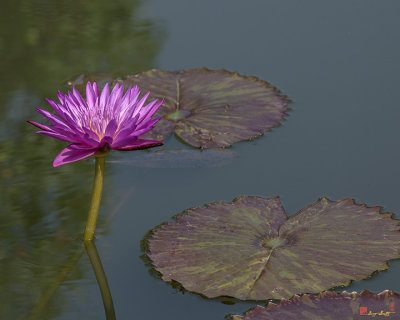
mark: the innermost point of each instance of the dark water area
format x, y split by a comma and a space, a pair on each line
336, 61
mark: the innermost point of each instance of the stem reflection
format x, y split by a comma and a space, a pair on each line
101, 279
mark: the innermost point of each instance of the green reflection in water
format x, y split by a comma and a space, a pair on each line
43, 210
43, 43
42, 218
101, 279
42, 305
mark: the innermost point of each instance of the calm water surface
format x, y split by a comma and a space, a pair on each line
337, 61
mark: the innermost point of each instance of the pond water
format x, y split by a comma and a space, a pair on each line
337, 61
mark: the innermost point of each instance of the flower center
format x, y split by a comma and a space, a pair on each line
96, 131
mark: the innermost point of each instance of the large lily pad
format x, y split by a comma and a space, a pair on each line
330, 306
206, 108
249, 249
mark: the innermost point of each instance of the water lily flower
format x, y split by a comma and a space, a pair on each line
93, 127
104, 121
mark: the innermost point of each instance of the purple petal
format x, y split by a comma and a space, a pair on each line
104, 97
51, 117
64, 134
77, 104
56, 107
72, 109
72, 124
105, 140
41, 126
115, 97
140, 104
139, 144
115, 89
142, 131
61, 96
66, 127
96, 91
111, 128
128, 112
58, 136
149, 110
128, 101
70, 154
128, 129
89, 141
126, 138
90, 96
150, 124
81, 146
90, 134
133, 96
79, 97
135, 130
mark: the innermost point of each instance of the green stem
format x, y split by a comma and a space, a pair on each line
96, 196
101, 279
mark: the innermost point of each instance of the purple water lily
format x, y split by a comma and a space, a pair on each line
104, 121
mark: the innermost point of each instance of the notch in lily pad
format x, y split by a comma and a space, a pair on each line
329, 306
208, 108
249, 249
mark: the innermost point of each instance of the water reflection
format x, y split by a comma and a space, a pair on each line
43, 210
101, 279
49, 296
42, 213
40, 308
53, 41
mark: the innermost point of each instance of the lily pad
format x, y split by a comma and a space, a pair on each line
249, 249
180, 158
330, 306
208, 108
